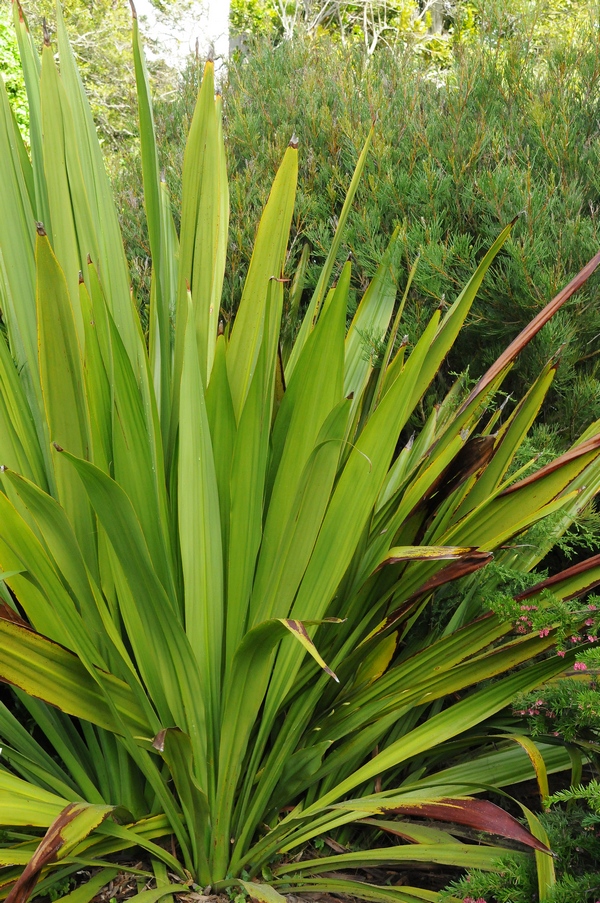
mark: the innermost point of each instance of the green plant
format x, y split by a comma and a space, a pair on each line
184, 525
10, 70
509, 125
573, 833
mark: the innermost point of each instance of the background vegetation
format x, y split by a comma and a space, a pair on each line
504, 121
495, 115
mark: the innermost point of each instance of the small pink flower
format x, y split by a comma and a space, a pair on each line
593, 607
560, 652
580, 666
592, 639
574, 639
544, 632
589, 622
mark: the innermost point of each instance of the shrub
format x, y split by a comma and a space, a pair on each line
218, 551
510, 125
572, 831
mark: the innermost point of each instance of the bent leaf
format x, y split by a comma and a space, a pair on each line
73, 824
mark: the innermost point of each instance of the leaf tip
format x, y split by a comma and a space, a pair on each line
46, 33
39, 228
58, 447
159, 741
133, 9
294, 141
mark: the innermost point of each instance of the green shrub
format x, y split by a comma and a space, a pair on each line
573, 833
10, 70
510, 126
219, 549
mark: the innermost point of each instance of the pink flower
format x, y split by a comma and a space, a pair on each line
592, 639
593, 607
580, 666
560, 652
544, 632
589, 622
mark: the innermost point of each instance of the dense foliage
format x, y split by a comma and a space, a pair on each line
255, 596
10, 70
570, 818
509, 125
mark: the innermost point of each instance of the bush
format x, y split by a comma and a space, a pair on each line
219, 550
511, 125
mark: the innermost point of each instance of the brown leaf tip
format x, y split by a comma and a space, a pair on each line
58, 447
133, 9
45, 32
3, 468
80, 278
159, 741
294, 141
39, 228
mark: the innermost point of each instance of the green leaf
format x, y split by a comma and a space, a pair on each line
200, 535
45, 670
267, 262
63, 387
264, 893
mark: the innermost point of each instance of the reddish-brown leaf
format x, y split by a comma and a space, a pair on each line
9, 614
481, 815
580, 568
471, 562
476, 454
532, 329
589, 445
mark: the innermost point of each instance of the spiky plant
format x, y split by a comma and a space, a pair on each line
183, 525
